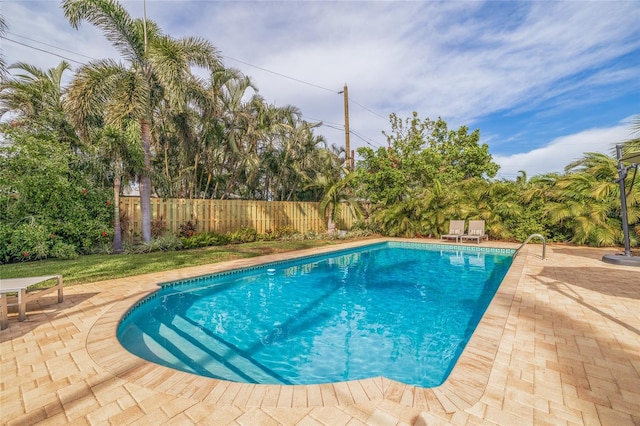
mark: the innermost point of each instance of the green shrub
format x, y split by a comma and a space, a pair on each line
41, 178
204, 239
29, 241
244, 235
5, 239
371, 227
62, 250
166, 242
282, 232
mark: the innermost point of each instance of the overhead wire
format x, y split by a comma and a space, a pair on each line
41, 50
371, 111
367, 140
51, 45
279, 74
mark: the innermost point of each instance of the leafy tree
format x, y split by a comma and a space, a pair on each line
123, 156
459, 153
584, 201
337, 191
33, 98
421, 152
158, 71
46, 199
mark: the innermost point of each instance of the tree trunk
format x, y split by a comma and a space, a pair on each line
145, 183
331, 225
117, 230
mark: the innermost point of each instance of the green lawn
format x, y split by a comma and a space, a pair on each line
86, 269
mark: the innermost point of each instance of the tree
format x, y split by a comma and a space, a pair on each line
34, 98
158, 71
51, 205
584, 201
337, 189
460, 154
419, 153
123, 156
3, 30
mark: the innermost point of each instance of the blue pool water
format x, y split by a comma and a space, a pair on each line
404, 311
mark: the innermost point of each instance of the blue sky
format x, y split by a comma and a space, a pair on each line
544, 81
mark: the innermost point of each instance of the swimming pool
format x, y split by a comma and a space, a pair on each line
404, 311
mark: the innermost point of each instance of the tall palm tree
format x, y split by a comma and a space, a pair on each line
157, 69
122, 154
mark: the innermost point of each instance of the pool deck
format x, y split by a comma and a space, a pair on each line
559, 344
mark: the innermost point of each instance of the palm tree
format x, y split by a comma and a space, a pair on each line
337, 191
3, 30
34, 98
157, 70
585, 201
123, 154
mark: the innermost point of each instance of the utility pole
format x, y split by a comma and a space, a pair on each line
144, 23
347, 148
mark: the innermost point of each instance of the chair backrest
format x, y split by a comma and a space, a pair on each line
476, 227
456, 227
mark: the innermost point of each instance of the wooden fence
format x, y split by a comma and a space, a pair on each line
223, 216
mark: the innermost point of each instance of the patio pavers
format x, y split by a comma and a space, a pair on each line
559, 344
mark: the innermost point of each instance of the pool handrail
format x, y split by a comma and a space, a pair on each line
544, 245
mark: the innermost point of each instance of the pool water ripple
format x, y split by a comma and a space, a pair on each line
402, 312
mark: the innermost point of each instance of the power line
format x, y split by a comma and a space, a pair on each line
280, 75
371, 111
338, 126
50, 45
363, 138
307, 83
323, 121
367, 140
41, 50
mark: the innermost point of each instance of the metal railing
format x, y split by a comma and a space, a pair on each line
544, 244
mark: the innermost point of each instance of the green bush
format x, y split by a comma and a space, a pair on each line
166, 242
282, 232
205, 239
244, 235
367, 227
62, 250
29, 241
5, 238
47, 186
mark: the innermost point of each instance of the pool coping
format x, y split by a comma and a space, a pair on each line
463, 388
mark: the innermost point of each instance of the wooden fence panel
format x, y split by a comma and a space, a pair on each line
223, 216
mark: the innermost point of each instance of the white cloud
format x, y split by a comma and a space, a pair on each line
460, 60
560, 152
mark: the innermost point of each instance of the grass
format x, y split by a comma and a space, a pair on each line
98, 267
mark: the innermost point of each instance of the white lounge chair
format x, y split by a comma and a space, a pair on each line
476, 231
456, 229
20, 285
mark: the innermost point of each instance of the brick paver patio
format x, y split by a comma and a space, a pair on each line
559, 344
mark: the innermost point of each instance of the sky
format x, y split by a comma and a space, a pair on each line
543, 81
